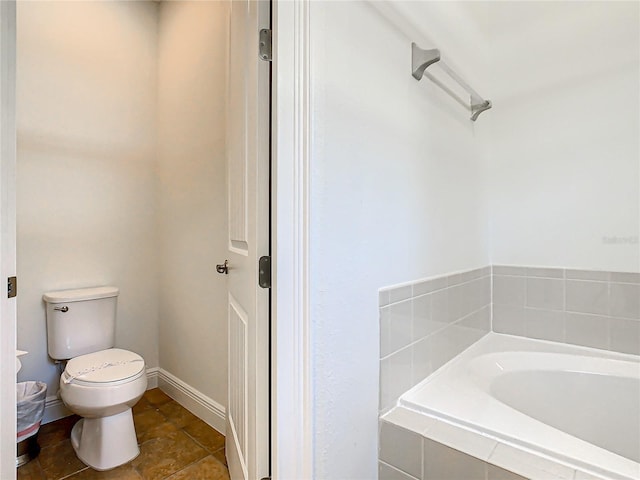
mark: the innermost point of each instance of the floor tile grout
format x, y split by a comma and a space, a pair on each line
74, 473
211, 452
185, 467
175, 418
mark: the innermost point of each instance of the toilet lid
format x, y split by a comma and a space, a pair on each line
105, 366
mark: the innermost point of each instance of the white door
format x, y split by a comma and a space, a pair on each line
248, 112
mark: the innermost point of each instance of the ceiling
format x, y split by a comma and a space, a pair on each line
535, 44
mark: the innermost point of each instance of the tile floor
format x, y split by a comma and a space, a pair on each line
174, 445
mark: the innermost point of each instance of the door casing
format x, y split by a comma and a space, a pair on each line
7, 237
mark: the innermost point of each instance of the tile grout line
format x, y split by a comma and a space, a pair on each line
182, 429
564, 305
182, 469
447, 325
152, 407
434, 291
609, 323
74, 473
201, 445
491, 298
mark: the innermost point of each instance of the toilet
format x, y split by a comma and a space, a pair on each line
99, 383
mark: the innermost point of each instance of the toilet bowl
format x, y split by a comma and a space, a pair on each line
102, 387
99, 383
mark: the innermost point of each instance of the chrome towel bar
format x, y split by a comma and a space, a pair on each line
421, 59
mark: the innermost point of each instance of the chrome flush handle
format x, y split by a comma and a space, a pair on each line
64, 309
223, 268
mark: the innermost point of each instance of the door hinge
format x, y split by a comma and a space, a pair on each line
265, 45
264, 272
12, 287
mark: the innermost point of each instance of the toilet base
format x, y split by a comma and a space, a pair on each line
106, 442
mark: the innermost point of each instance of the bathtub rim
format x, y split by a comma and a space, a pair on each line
498, 343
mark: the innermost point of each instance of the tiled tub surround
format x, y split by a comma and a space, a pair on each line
543, 410
425, 324
591, 308
407, 454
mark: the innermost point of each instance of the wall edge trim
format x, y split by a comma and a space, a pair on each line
292, 399
204, 407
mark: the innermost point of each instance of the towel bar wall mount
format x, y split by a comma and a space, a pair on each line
421, 59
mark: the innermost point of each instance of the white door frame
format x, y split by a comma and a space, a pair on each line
291, 453
7, 238
292, 403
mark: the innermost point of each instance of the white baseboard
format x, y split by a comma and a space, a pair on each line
54, 409
193, 400
152, 377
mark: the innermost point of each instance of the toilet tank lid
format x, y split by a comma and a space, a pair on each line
80, 294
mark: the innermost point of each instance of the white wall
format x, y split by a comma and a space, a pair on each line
193, 45
403, 186
396, 194
564, 145
86, 107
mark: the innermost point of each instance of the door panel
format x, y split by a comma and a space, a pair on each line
248, 177
237, 128
238, 408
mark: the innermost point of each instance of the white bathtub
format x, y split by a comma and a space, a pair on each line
574, 405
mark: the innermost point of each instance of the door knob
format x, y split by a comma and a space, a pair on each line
223, 268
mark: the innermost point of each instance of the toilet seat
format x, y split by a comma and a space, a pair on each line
108, 368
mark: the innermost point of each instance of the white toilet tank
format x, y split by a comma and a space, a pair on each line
80, 321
